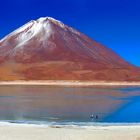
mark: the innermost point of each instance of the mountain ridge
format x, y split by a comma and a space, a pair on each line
48, 49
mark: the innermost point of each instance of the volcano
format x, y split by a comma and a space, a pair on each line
47, 49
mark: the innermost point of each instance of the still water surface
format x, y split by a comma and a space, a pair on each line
47, 105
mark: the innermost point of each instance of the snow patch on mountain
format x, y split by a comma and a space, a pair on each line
38, 28
32, 28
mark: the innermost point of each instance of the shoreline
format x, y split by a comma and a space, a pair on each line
68, 83
86, 125
24, 132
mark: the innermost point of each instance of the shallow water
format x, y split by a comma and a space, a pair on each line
43, 104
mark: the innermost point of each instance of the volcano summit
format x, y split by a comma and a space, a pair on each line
47, 49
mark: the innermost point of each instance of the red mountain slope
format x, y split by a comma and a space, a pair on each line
46, 49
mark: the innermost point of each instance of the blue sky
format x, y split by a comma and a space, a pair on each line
114, 23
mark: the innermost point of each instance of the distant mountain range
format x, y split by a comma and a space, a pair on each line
47, 49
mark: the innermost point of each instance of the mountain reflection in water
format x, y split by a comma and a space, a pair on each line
47, 104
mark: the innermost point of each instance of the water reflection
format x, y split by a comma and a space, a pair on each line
42, 103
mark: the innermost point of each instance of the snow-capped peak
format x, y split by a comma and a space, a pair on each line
32, 28
45, 19
36, 25
40, 26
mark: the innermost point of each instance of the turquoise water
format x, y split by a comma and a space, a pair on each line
41, 104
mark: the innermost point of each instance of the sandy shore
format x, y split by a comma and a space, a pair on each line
42, 133
70, 83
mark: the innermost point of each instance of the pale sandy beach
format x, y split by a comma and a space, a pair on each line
13, 132
69, 83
